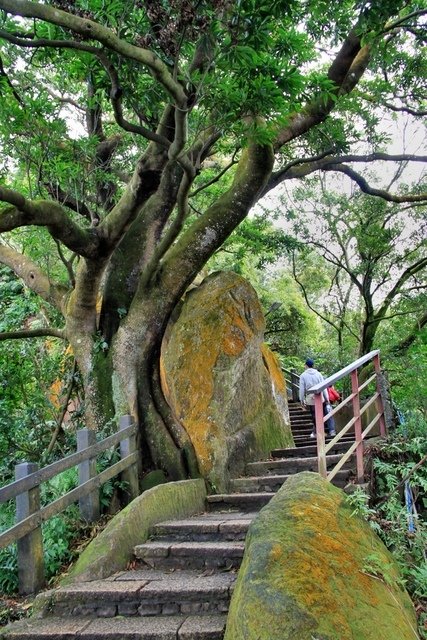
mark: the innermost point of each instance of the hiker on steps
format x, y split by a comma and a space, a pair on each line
308, 379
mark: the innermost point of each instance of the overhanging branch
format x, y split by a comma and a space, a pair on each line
33, 276
301, 167
95, 31
345, 72
404, 344
116, 91
52, 216
372, 191
32, 333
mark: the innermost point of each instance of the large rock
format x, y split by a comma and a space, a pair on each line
223, 384
113, 548
313, 570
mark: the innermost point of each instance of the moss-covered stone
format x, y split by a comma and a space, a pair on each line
152, 479
313, 570
221, 381
112, 549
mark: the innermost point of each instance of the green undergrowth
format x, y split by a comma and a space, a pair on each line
404, 531
64, 535
64, 538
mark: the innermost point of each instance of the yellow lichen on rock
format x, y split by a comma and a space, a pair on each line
273, 366
304, 574
216, 380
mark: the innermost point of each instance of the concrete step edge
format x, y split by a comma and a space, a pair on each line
335, 457
162, 549
181, 627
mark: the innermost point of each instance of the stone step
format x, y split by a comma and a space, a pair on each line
203, 627
301, 422
300, 414
303, 442
300, 436
302, 431
308, 450
289, 466
264, 484
208, 526
272, 482
238, 501
142, 593
190, 555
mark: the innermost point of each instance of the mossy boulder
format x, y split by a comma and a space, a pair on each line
112, 549
314, 570
221, 381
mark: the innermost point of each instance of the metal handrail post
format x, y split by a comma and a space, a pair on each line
320, 434
357, 425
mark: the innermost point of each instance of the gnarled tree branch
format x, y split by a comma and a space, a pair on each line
33, 276
301, 167
345, 72
32, 333
52, 216
372, 191
95, 31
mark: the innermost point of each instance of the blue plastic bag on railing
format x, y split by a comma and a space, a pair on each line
409, 496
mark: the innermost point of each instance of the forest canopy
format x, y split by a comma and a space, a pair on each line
137, 136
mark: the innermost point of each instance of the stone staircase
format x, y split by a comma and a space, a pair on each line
180, 584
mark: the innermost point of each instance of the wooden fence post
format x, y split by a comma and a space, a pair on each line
88, 505
294, 386
130, 475
30, 547
357, 425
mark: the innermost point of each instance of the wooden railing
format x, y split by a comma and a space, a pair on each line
292, 383
375, 400
26, 492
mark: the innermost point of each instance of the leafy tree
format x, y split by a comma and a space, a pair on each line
375, 255
141, 134
34, 374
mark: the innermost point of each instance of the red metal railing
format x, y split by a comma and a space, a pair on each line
351, 370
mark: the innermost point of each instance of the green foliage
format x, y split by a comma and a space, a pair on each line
8, 570
406, 365
387, 514
257, 239
58, 534
397, 458
28, 401
361, 269
249, 69
375, 566
393, 461
61, 532
359, 502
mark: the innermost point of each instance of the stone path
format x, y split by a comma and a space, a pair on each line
183, 578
